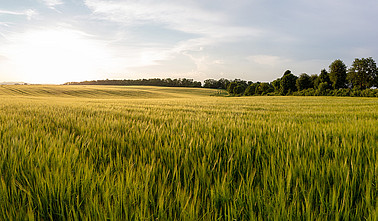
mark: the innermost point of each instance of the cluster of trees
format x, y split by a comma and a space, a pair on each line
167, 82
216, 84
338, 81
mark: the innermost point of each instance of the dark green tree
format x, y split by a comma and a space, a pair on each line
303, 82
241, 82
239, 89
324, 78
314, 81
287, 72
322, 88
222, 83
231, 86
251, 89
264, 88
363, 73
210, 83
277, 85
288, 83
338, 74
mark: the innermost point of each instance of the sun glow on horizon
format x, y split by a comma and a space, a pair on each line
57, 56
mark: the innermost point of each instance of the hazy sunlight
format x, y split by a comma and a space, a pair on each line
57, 56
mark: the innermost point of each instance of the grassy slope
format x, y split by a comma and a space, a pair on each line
188, 157
103, 92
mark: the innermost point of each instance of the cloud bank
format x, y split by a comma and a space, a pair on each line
253, 40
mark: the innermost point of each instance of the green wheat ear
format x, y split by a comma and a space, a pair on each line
148, 153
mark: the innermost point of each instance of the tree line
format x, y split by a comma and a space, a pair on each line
167, 82
358, 80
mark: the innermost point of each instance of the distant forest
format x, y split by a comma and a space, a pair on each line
168, 82
360, 80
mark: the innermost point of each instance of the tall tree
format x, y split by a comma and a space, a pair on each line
288, 83
277, 85
264, 88
251, 89
338, 74
287, 72
324, 78
363, 73
231, 86
222, 83
304, 82
239, 89
210, 83
314, 81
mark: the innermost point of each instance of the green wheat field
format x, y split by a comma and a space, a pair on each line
155, 153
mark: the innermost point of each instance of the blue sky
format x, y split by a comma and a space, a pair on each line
55, 41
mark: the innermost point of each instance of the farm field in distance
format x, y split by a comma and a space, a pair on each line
147, 153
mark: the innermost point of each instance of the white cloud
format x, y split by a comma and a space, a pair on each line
52, 3
206, 28
270, 60
4, 24
3, 58
211, 27
30, 13
55, 55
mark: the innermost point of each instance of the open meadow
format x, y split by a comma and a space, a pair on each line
147, 153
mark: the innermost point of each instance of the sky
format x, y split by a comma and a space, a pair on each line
58, 41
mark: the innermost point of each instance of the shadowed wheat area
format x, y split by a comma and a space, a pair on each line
133, 153
102, 92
